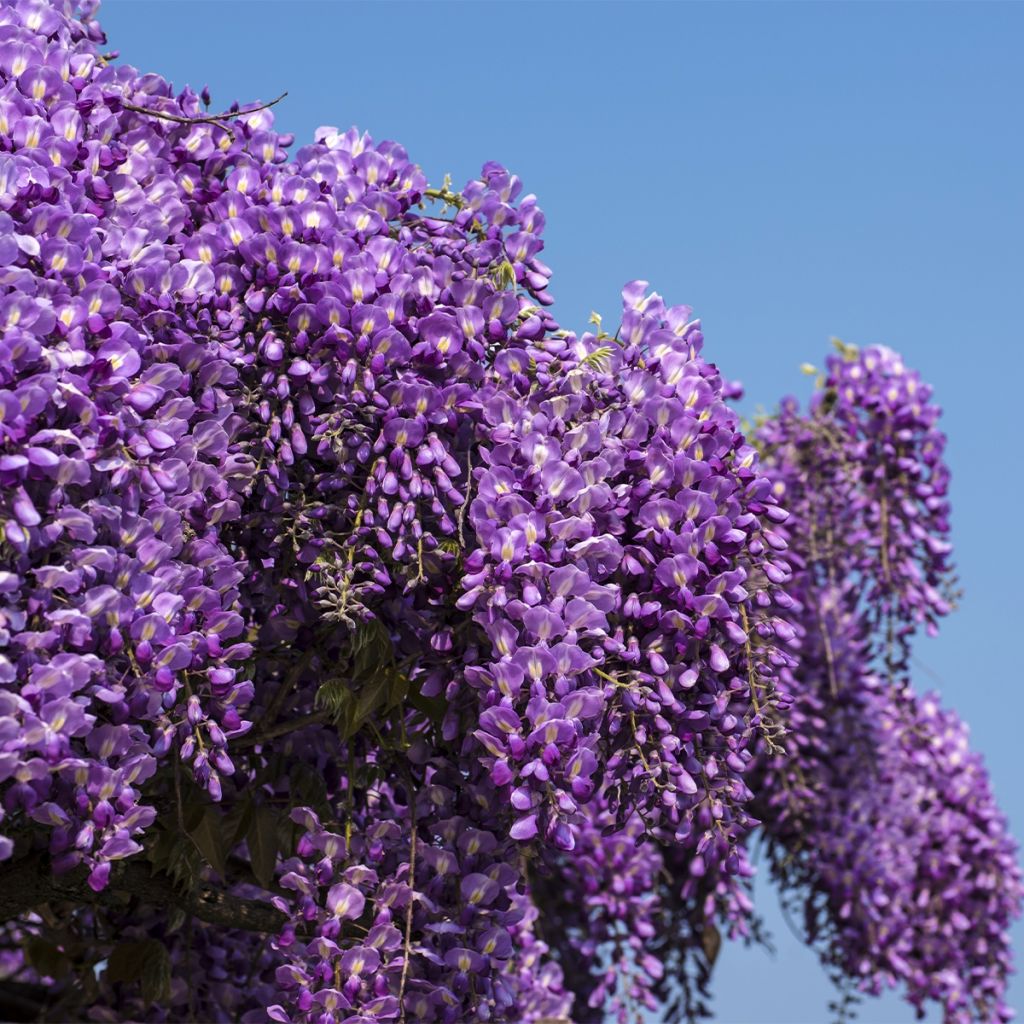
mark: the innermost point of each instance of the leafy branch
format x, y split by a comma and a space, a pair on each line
28, 883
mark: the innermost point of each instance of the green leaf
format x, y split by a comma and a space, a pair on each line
46, 958
237, 822
372, 696
206, 830
308, 787
599, 359
156, 974
505, 276
175, 918
146, 961
174, 854
433, 707
398, 689
335, 696
262, 842
372, 648
847, 351
126, 961
374, 683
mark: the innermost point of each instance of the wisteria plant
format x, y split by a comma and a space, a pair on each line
373, 649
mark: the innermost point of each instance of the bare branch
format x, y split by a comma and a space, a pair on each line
215, 119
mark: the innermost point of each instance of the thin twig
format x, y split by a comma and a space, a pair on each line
177, 791
188, 957
460, 516
883, 515
829, 658
765, 722
214, 119
412, 895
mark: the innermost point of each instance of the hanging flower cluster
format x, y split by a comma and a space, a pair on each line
881, 822
372, 649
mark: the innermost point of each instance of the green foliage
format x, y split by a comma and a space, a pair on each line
175, 855
262, 840
46, 958
238, 821
305, 785
432, 708
845, 349
205, 827
145, 961
505, 276
599, 359
376, 684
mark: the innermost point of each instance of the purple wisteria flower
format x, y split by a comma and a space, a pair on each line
373, 649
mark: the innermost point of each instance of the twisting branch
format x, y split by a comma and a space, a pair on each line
216, 119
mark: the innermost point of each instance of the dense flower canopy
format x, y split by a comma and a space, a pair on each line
373, 649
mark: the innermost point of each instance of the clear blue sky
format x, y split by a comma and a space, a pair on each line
793, 171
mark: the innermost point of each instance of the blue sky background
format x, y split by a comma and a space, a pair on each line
793, 171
